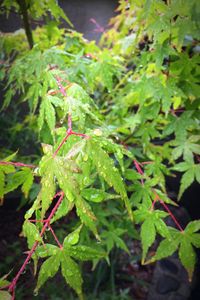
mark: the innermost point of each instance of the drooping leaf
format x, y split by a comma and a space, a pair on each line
187, 256
23, 177
86, 215
48, 269
71, 273
148, 235
166, 248
31, 233
108, 171
48, 185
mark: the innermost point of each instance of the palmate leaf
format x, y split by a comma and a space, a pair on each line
152, 224
107, 170
192, 172
183, 242
61, 169
80, 252
113, 238
23, 177
186, 147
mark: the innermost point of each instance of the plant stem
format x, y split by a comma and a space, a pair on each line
55, 237
12, 286
24, 12
16, 164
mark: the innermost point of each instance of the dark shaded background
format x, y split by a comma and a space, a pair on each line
79, 12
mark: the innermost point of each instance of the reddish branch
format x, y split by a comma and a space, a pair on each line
171, 215
157, 198
98, 28
16, 164
11, 287
69, 131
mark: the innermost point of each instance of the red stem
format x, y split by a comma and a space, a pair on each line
171, 215
46, 225
17, 164
61, 87
98, 28
63, 141
55, 237
157, 198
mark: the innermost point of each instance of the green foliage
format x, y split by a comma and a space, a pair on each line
113, 122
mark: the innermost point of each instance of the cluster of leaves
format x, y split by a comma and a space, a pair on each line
143, 92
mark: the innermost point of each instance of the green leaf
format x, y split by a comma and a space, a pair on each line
5, 295
186, 180
47, 250
162, 228
84, 253
24, 178
65, 177
119, 242
195, 239
41, 116
166, 248
62, 210
31, 233
96, 195
2, 184
106, 169
193, 226
148, 235
10, 157
71, 273
27, 183
50, 114
187, 256
48, 269
73, 237
48, 185
86, 215
197, 173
